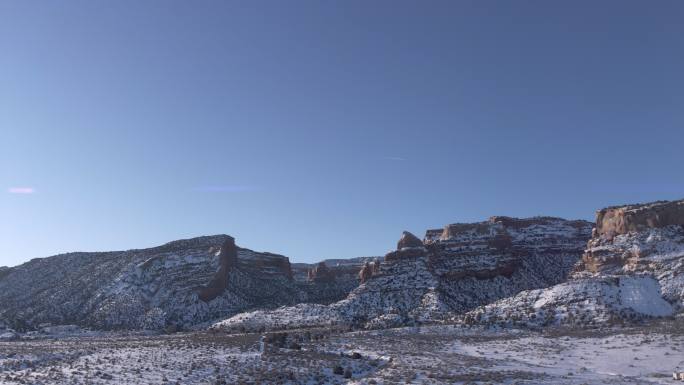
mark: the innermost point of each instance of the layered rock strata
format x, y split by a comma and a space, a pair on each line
631, 271
451, 271
180, 285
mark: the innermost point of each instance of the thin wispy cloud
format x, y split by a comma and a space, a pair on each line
394, 158
21, 190
226, 188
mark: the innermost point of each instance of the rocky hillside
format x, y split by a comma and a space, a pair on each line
332, 279
452, 270
509, 271
632, 270
179, 284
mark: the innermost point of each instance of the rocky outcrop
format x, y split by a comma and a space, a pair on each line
408, 240
330, 280
267, 264
631, 271
618, 220
366, 273
452, 271
228, 259
605, 253
408, 247
321, 273
503, 245
406, 253
337, 270
368, 270
455, 230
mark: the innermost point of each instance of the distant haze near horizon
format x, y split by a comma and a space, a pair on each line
323, 129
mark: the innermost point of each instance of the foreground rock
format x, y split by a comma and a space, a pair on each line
631, 271
452, 271
174, 286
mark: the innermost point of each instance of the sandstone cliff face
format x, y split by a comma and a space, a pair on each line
181, 283
503, 245
617, 220
631, 270
408, 240
368, 270
228, 259
481, 262
452, 271
606, 253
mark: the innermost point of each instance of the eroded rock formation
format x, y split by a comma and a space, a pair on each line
321, 273
408, 247
453, 270
228, 259
266, 264
502, 245
631, 271
617, 220
408, 240
369, 268
604, 252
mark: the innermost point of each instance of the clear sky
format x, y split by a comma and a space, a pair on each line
321, 129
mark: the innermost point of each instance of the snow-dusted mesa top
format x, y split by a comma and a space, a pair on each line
615, 220
518, 228
635, 237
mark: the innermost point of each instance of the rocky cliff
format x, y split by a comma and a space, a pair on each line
632, 270
527, 272
451, 271
330, 280
179, 284
617, 220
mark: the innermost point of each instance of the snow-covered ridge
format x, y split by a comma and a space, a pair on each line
154, 288
529, 272
430, 280
621, 278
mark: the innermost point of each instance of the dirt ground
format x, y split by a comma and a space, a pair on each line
427, 355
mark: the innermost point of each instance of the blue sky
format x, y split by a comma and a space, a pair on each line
321, 129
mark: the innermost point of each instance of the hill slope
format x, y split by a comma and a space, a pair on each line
178, 284
451, 271
632, 270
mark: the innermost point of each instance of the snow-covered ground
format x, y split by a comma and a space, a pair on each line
617, 358
427, 355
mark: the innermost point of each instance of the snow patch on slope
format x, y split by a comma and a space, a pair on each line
642, 294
